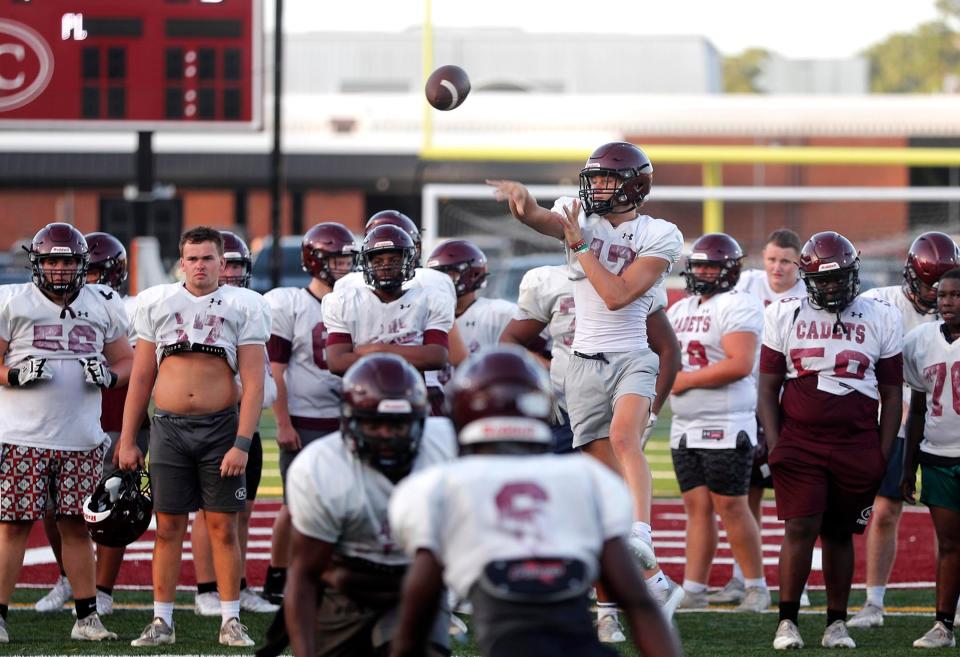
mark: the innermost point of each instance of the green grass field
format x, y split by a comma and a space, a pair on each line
703, 634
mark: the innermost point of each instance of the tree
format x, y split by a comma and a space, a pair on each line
740, 71
916, 62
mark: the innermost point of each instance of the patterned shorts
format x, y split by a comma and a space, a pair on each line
29, 474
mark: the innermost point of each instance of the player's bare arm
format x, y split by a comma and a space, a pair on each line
304, 585
891, 412
523, 332
458, 350
624, 583
911, 452
616, 291
250, 367
663, 342
143, 375
740, 355
287, 437
768, 407
525, 208
422, 589
119, 355
423, 357
340, 356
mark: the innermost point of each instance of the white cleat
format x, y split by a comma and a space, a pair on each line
609, 630
669, 599
91, 629
733, 591
836, 636
938, 637
643, 551
4, 637
250, 601
234, 634
870, 616
56, 598
787, 636
157, 633
207, 604
756, 600
693, 600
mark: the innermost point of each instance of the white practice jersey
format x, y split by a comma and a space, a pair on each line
843, 360
63, 412
755, 283
546, 295
359, 313
130, 309
600, 329
337, 498
894, 295
422, 277
712, 417
219, 322
312, 391
479, 509
932, 365
482, 323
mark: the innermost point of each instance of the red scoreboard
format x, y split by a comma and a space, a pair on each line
131, 64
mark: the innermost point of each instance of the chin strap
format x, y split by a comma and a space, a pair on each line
839, 322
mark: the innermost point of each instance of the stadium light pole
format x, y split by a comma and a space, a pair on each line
276, 157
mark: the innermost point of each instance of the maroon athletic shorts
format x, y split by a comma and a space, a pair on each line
836, 475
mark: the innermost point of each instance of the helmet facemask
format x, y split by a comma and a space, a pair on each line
391, 276
59, 282
833, 290
237, 280
701, 283
605, 191
386, 440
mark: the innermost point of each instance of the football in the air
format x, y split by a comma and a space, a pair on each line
447, 87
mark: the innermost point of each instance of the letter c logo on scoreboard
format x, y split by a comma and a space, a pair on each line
26, 64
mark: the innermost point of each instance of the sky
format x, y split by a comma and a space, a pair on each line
807, 29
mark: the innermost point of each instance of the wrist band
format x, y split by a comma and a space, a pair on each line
13, 377
581, 248
578, 245
113, 380
242, 443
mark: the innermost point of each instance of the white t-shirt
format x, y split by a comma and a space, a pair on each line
424, 277
227, 318
600, 329
478, 509
843, 361
335, 497
755, 283
894, 295
932, 365
312, 390
62, 412
359, 313
712, 417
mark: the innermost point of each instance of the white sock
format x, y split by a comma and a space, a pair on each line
163, 610
657, 582
229, 609
875, 595
642, 530
759, 583
737, 572
605, 609
694, 587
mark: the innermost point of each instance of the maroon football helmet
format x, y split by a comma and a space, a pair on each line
59, 240
830, 266
717, 249
398, 219
930, 256
324, 241
501, 395
633, 170
108, 259
383, 388
382, 239
465, 258
236, 252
